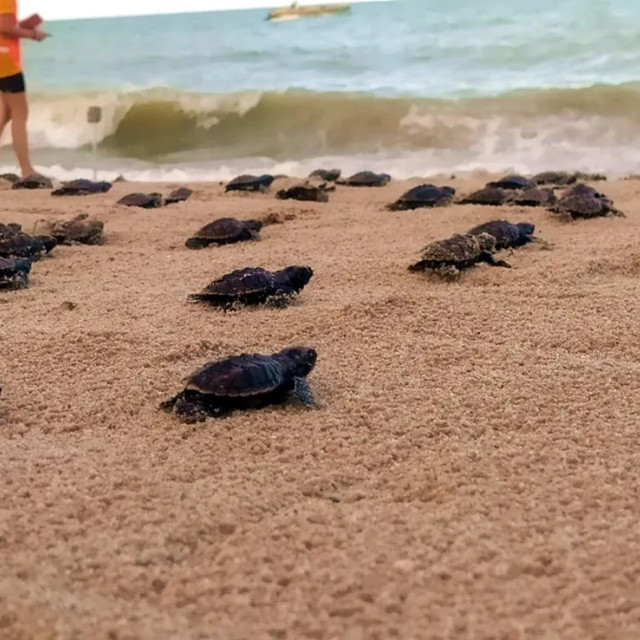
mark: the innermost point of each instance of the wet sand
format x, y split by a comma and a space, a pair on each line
472, 470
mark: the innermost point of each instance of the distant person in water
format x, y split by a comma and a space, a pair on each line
13, 97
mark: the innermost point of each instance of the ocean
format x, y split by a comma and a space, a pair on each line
412, 87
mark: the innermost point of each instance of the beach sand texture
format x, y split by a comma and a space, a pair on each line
472, 470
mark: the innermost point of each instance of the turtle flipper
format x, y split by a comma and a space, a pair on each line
303, 392
281, 298
168, 405
489, 259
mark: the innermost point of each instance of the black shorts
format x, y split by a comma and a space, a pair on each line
13, 84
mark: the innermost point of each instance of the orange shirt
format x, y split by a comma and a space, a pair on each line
9, 48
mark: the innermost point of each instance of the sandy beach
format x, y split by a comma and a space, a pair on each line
471, 471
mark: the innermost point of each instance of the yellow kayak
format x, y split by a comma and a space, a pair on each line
294, 12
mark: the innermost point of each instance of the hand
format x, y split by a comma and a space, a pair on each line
39, 35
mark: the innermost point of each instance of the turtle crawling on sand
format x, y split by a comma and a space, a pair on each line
254, 285
512, 182
78, 230
450, 256
424, 195
250, 183
14, 272
142, 200
17, 244
557, 178
304, 193
33, 182
506, 234
225, 231
535, 197
583, 201
246, 381
366, 179
9, 177
488, 196
7, 228
82, 187
178, 195
329, 175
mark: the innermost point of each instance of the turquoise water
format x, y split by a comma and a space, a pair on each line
414, 86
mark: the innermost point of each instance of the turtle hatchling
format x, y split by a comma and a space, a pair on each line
489, 196
225, 231
304, 193
506, 234
582, 201
23, 245
535, 197
14, 272
512, 182
246, 381
82, 187
450, 256
254, 285
142, 200
9, 177
250, 183
33, 182
366, 179
78, 230
178, 195
557, 178
329, 175
424, 195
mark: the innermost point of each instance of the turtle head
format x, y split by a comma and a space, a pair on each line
486, 242
300, 360
449, 191
297, 277
526, 229
253, 225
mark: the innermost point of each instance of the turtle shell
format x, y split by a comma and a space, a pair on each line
304, 193
9, 228
535, 197
459, 250
238, 376
80, 229
9, 177
489, 196
33, 182
22, 245
366, 179
512, 182
560, 178
506, 234
81, 187
143, 200
14, 271
424, 195
581, 206
250, 183
178, 195
240, 283
224, 231
330, 175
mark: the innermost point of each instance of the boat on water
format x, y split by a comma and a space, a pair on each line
295, 11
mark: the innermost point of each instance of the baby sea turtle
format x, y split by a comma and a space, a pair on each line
82, 187
178, 195
304, 193
558, 178
250, 183
9, 177
330, 175
143, 200
9, 228
489, 196
366, 179
24, 245
255, 285
583, 201
506, 234
78, 230
512, 182
535, 197
450, 256
33, 182
424, 195
225, 231
246, 381
14, 272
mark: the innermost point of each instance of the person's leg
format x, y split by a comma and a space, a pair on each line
5, 114
17, 105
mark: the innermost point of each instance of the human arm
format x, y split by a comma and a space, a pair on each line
10, 28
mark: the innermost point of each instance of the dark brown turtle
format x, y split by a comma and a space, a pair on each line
33, 182
583, 201
254, 285
424, 195
489, 196
178, 195
9, 228
450, 256
329, 175
81, 187
78, 230
558, 178
366, 179
512, 182
590, 177
535, 197
250, 183
9, 177
304, 193
225, 231
246, 381
142, 200
14, 272
24, 245
506, 234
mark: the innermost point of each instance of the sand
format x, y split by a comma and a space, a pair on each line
472, 470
